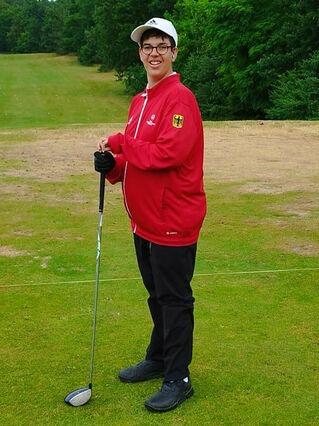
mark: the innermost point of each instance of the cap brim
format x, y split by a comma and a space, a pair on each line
137, 33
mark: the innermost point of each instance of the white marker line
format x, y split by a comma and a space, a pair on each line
67, 282
258, 272
270, 271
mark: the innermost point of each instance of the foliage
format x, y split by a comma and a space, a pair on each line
254, 42
296, 95
236, 55
201, 74
5, 24
113, 22
25, 29
51, 29
134, 78
88, 52
77, 19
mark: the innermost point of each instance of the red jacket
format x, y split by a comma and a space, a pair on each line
160, 164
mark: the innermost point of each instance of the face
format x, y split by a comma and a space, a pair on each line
157, 66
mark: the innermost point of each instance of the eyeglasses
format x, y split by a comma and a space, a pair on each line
161, 49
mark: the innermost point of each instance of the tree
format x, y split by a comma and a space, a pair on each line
296, 95
241, 58
25, 29
76, 18
52, 27
5, 25
254, 43
108, 38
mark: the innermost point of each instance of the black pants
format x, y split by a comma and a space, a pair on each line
167, 272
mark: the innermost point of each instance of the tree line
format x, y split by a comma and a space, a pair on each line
243, 59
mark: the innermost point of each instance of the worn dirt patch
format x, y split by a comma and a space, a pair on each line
57, 153
26, 233
268, 157
14, 188
274, 157
9, 251
303, 206
301, 247
282, 224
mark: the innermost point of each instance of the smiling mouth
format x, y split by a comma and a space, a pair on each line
154, 63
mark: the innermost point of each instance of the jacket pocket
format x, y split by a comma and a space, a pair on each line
172, 210
144, 198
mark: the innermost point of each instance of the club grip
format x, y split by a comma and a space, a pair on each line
102, 187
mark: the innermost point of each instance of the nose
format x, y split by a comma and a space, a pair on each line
156, 52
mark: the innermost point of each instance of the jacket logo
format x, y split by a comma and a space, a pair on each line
178, 121
151, 122
130, 120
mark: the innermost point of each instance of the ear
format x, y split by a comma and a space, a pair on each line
174, 54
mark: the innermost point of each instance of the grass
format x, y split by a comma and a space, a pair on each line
43, 90
256, 342
256, 337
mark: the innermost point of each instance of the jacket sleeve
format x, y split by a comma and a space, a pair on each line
117, 173
176, 137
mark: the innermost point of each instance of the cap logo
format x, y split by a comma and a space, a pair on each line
152, 22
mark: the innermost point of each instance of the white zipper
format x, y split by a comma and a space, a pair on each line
140, 117
125, 170
125, 201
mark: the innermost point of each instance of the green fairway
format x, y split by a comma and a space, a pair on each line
256, 336
50, 90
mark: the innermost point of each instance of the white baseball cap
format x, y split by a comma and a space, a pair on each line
158, 23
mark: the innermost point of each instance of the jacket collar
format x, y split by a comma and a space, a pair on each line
162, 85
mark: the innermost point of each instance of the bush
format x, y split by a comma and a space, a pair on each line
200, 74
134, 78
88, 52
296, 97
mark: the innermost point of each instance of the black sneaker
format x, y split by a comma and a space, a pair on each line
170, 396
145, 370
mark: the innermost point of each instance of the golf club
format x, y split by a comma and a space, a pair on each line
82, 396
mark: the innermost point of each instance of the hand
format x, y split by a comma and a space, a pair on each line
103, 145
103, 162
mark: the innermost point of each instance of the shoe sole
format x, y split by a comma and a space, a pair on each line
151, 377
173, 406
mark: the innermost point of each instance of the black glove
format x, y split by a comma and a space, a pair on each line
103, 161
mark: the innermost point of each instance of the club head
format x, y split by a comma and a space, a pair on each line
78, 397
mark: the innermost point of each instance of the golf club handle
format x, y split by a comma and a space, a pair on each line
102, 187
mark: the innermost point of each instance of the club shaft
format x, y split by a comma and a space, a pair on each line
97, 270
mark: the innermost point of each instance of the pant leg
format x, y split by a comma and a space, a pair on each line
155, 349
173, 269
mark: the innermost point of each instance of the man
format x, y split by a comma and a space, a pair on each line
159, 160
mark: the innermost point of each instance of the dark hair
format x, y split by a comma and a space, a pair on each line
153, 32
